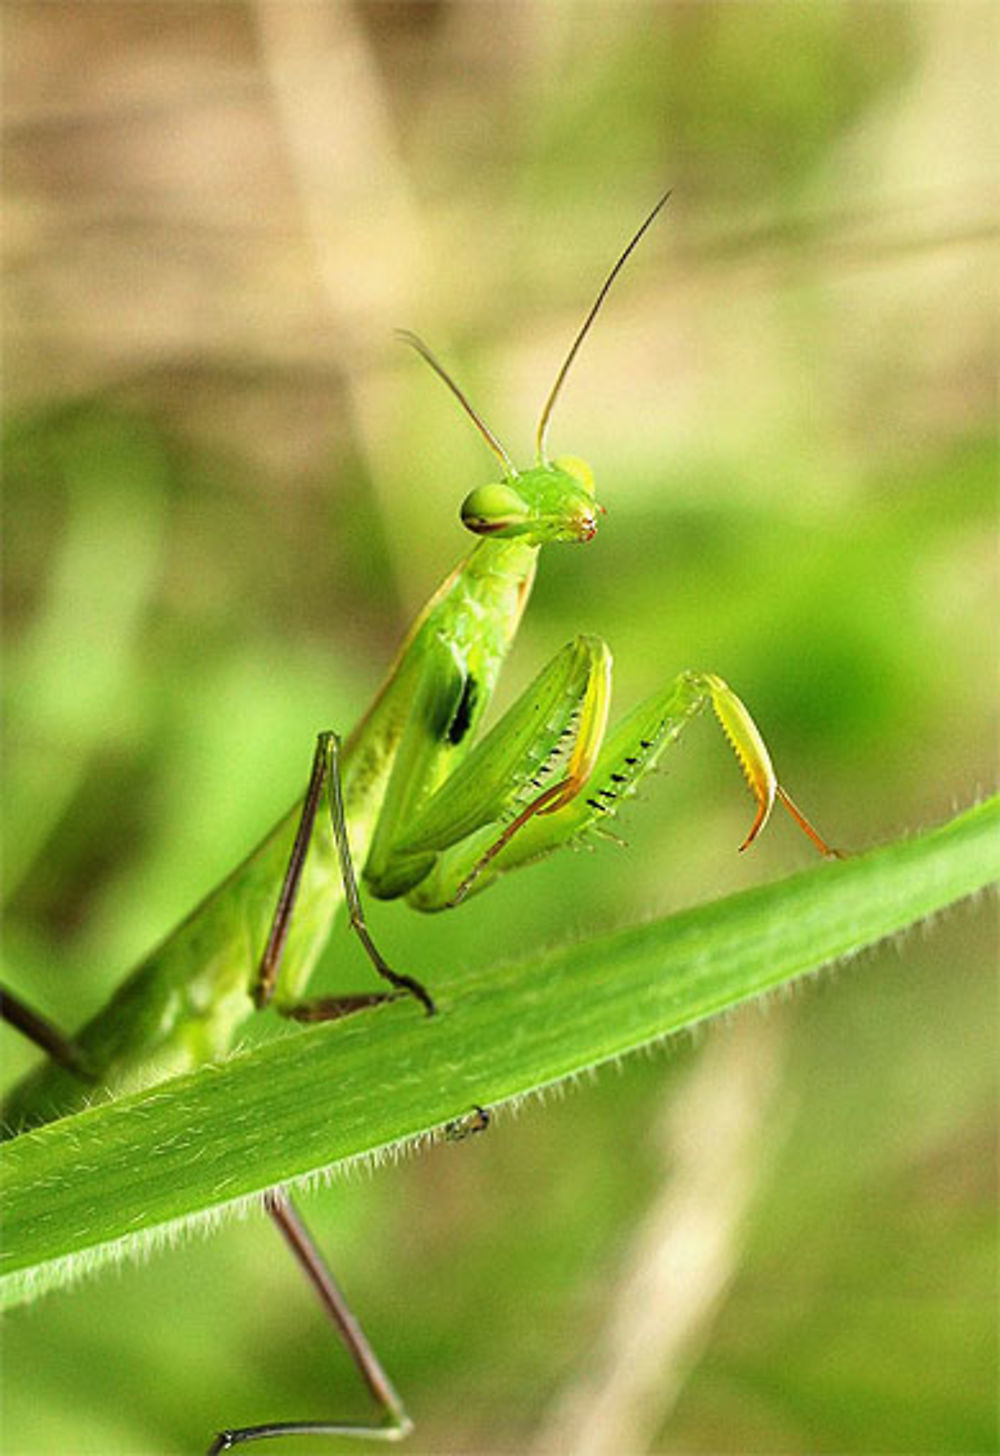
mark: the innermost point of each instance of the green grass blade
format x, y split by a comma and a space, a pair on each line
87, 1188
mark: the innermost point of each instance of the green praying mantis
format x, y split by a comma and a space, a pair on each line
431, 813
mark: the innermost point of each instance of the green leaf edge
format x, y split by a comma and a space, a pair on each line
108, 1181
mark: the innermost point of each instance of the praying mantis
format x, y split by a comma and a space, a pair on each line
430, 811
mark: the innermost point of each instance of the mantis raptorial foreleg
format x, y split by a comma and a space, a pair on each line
502, 773
588, 794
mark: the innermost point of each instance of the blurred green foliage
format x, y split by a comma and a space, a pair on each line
226, 495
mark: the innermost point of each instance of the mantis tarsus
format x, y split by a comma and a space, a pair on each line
432, 815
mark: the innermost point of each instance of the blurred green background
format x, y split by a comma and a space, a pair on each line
228, 490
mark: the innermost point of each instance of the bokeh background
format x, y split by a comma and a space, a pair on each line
227, 491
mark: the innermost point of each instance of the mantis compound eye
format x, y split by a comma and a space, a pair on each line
495, 510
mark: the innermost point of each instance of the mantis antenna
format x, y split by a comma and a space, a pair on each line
416, 342
584, 330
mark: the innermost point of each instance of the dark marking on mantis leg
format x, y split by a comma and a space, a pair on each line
462, 720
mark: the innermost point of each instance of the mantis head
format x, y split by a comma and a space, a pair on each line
554, 500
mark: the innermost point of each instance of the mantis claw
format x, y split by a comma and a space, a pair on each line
746, 742
760, 819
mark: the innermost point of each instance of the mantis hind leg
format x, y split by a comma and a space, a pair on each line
325, 778
37, 1028
396, 1424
